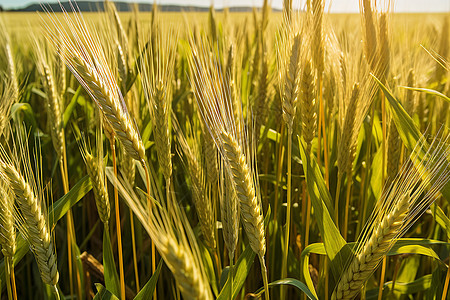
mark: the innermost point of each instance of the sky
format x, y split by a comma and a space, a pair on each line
336, 5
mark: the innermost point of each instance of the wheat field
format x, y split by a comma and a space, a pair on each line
270, 154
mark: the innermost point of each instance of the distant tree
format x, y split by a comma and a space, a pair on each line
1, 8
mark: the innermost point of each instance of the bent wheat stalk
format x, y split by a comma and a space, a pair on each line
169, 229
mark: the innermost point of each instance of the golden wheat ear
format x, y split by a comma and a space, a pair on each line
157, 67
7, 99
30, 199
192, 159
410, 194
215, 103
46, 68
87, 60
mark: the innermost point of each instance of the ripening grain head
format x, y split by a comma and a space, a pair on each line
87, 60
410, 194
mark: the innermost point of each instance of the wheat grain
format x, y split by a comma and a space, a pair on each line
7, 230
347, 143
292, 82
309, 116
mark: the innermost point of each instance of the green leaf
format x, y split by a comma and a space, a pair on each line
335, 245
149, 287
407, 129
240, 272
428, 91
224, 276
416, 246
26, 112
442, 219
418, 285
316, 248
111, 276
103, 293
289, 281
71, 106
62, 206
39, 92
209, 268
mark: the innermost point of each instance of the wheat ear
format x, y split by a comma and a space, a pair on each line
157, 75
246, 193
373, 251
191, 154
229, 212
10, 63
32, 217
96, 171
415, 188
346, 150
216, 107
7, 230
308, 101
86, 59
292, 84
370, 34
53, 104
8, 238
7, 99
